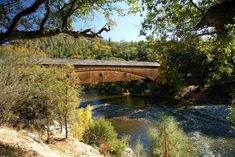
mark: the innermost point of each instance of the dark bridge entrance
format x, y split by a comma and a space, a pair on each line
94, 71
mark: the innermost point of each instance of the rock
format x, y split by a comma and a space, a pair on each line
129, 153
22, 143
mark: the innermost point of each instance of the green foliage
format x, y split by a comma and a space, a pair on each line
100, 131
199, 57
64, 46
168, 139
174, 19
192, 60
170, 78
139, 150
102, 134
118, 146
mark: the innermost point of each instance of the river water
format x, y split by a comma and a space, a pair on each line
207, 126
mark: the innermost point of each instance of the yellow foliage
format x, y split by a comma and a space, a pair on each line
21, 51
83, 120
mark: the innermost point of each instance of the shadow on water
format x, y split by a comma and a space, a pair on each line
131, 116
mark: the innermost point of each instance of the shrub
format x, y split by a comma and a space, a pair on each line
100, 131
118, 146
82, 121
102, 134
139, 150
168, 139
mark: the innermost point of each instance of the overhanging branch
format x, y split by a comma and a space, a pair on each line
88, 33
17, 19
44, 20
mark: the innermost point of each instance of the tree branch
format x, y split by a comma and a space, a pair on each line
18, 17
106, 28
10, 3
88, 33
4, 12
44, 20
218, 16
66, 12
191, 1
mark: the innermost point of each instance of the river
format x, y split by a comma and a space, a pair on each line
207, 126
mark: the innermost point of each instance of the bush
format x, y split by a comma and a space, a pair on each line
170, 80
82, 121
102, 134
168, 139
139, 150
99, 132
118, 146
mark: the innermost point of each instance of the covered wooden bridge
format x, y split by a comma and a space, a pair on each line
95, 71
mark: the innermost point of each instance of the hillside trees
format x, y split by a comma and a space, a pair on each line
44, 18
64, 46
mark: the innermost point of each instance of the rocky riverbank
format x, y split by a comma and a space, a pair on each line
22, 143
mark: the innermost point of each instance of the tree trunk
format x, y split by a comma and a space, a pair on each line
66, 126
48, 130
166, 146
61, 124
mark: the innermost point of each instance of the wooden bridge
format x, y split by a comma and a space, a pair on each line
95, 71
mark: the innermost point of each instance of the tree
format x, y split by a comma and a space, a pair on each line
195, 37
181, 18
42, 18
66, 91
32, 96
168, 139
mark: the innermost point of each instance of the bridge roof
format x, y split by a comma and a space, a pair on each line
79, 62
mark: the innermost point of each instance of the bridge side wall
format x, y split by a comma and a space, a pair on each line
95, 74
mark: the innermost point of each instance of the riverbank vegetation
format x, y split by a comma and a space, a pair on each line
101, 134
98, 132
38, 99
168, 139
33, 97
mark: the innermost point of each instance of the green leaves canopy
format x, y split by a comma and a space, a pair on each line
179, 18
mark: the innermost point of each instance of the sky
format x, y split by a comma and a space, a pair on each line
127, 27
